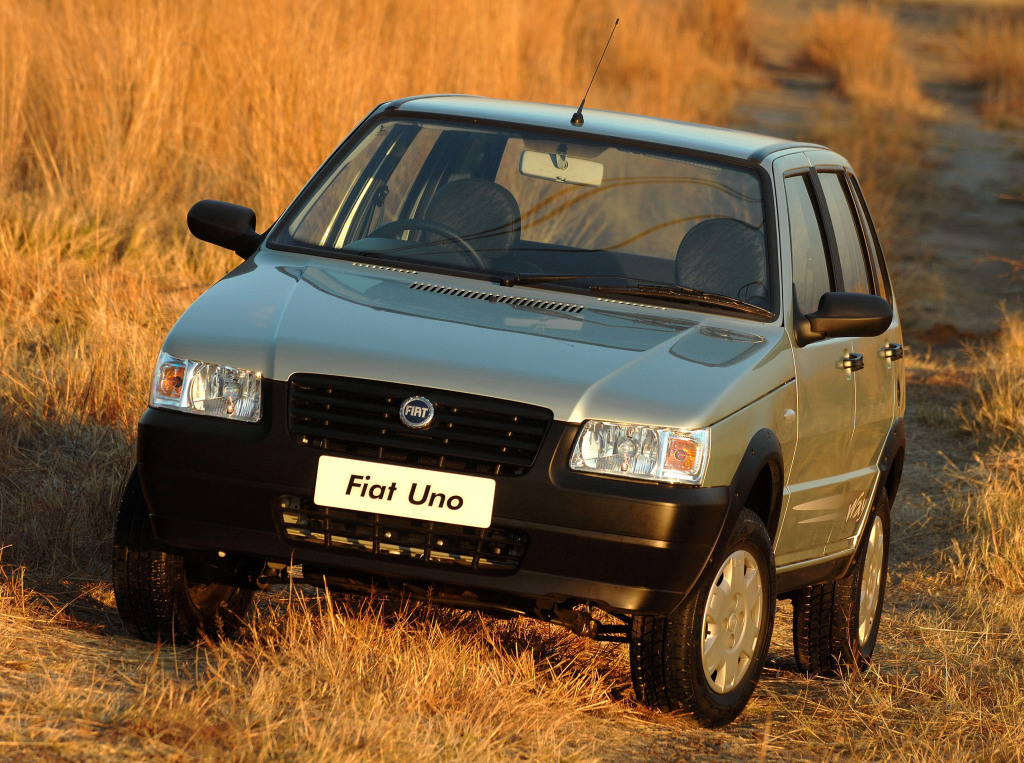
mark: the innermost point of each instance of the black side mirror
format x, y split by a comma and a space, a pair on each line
227, 225
842, 313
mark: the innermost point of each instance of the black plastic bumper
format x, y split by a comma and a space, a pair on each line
630, 547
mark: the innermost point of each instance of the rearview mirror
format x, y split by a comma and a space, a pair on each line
561, 168
223, 224
842, 313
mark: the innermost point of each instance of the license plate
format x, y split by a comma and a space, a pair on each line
401, 491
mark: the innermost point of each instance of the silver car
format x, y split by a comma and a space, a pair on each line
637, 377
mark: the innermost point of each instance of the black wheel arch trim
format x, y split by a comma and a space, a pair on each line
890, 461
132, 526
762, 457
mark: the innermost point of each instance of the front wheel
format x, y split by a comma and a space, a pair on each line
706, 657
155, 596
835, 624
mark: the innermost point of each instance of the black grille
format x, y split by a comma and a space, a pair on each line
489, 549
470, 434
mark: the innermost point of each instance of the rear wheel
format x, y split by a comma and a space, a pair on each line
155, 596
706, 657
835, 624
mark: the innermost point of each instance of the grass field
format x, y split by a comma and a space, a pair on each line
115, 118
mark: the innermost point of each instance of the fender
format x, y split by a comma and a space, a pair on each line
762, 459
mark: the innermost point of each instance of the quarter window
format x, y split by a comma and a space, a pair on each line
871, 238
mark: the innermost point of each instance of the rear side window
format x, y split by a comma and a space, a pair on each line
874, 248
811, 276
849, 241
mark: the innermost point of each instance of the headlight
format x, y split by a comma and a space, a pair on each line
641, 452
206, 388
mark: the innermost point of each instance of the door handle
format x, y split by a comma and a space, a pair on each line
853, 361
892, 351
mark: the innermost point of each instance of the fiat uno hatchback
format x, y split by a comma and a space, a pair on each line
629, 375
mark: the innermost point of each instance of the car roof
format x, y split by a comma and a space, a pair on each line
722, 141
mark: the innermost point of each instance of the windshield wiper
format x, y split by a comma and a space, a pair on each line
684, 294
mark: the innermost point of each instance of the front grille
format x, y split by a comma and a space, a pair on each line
469, 434
489, 549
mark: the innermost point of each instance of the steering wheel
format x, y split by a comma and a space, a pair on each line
407, 223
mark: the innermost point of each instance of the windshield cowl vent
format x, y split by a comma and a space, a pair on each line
505, 299
632, 304
374, 266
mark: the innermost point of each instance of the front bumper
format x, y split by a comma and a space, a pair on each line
626, 546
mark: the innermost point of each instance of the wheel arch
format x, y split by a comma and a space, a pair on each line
758, 482
890, 461
756, 485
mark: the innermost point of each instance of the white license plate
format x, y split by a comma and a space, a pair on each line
401, 491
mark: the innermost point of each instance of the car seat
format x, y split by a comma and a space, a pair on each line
724, 256
484, 213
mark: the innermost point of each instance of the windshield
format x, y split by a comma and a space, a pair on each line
534, 208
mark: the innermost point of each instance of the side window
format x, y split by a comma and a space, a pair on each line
872, 239
810, 263
852, 257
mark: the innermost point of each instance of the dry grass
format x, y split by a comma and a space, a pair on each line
229, 101
993, 47
858, 45
992, 494
996, 411
315, 680
881, 123
319, 679
102, 149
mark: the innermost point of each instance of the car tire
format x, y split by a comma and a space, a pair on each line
835, 624
154, 596
706, 657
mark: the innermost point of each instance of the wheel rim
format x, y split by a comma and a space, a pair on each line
732, 622
871, 581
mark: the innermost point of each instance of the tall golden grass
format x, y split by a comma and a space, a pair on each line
859, 46
993, 47
993, 496
881, 125
115, 118
130, 110
315, 679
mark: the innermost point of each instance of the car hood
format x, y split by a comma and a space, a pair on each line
580, 356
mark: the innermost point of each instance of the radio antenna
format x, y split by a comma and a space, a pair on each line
577, 118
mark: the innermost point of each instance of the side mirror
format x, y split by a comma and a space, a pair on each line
842, 313
227, 225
